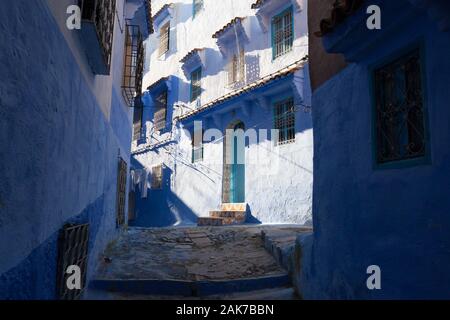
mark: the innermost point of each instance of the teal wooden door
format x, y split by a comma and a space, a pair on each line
237, 181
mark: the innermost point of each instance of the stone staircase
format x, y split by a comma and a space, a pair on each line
229, 214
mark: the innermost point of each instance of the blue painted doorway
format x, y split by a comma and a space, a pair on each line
237, 178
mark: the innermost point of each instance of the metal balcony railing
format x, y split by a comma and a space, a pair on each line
97, 32
133, 64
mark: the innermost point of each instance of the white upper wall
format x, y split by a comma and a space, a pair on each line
188, 33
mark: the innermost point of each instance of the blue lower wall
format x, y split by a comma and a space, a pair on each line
58, 150
35, 276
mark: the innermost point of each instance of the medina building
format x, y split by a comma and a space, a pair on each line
226, 122
65, 131
382, 161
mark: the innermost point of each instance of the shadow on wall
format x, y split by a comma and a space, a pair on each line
162, 207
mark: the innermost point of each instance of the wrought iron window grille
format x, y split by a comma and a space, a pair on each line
282, 33
197, 146
164, 39
133, 64
159, 117
121, 192
196, 84
98, 18
137, 122
157, 176
284, 121
236, 68
400, 127
72, 250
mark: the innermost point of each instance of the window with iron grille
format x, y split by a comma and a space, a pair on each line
137, 123
164, 40
100, 14
121, 192
159, 117
282, 33
284, 121
73, 243
197, 146
400, 127
196, 84
197, 5
157, 176
133, 64
236, 68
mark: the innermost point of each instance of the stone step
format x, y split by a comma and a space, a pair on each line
277, 293
210, 221
233, 207
104, 289
281, 245
218, 221
227, 214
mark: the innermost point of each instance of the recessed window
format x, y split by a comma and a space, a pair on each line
236, 68
197, 146
159, 117
197, 5
284, 121
164, 38
196, 84
157, 176
282, 33
137, 123
121, 192
400, 127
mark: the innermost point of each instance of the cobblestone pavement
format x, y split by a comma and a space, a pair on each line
206, 253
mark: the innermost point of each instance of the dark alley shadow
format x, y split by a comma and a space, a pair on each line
249, 218
161, 207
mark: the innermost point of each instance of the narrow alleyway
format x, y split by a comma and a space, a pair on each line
209, 262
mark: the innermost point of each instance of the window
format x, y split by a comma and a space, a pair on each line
137, 123
400, 128
236, 68
197, 146
197, 5
73, 242
164, 38
157, 175
98, 18
284, 121
159, 117
121, 192
133, 64
196, 84
282, 33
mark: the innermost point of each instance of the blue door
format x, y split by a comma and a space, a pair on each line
237, 181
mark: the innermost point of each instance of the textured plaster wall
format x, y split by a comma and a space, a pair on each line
61, 131
397, 219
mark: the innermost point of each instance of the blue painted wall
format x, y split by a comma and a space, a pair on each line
59, 149
397, 219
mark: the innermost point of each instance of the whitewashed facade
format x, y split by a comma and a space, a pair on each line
278, 177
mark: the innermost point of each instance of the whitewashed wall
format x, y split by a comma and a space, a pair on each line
278, 190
